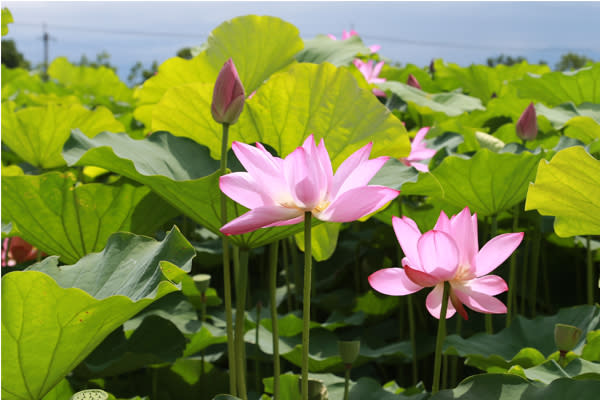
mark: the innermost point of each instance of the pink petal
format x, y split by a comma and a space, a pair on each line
420, 167
379, 93
302, 185
496, 251
438, 255
325, 161
420, 136
356, 203
377, 69
259, 163
443, 223
434, 302
407, 233
259, 217
461, 228
374, 48
489, 284
331, 36
349, 167
358, 176
316, 170
243, 189
393, 282
418, 277
480, 302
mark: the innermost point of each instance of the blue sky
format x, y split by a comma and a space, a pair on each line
409, 32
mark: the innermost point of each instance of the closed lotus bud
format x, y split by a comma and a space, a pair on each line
412, 81
228, 95
566, 337
527, 124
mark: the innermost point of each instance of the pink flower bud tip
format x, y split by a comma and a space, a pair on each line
228, 95
527, 124
412, 81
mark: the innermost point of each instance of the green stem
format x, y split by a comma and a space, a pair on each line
454, 365
227, 271
346, 382
257, 341
287, 276
154, 383
241, 269
274, 317
512, 296
525, 269
441, 335
306, 302
535, 260
203, 319
590, 272
413, 338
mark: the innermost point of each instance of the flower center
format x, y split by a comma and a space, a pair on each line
463, 273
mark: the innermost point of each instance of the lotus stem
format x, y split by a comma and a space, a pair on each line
590, 272
306, 302
241, 268
227, 271
535, 260
287, 276
273, 248
441, 335
512, 294
347, 381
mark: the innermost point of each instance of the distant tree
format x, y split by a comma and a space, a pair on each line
102, 60
571, 61
138, 74
11, 57
505, 60
186, 53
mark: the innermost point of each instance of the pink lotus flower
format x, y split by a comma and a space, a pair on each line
450, 252
19, 251
419, 152
279, 191
345, 35
371, 73
412, 81
527, 124
228, 95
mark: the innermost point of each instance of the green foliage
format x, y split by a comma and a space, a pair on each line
44, 336
568, 187
571, 61
11, 57
7, 18
337, 52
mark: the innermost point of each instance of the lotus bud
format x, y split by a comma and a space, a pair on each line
349, 350
412, 81
566, 337
202, 282
228, 95
527, 124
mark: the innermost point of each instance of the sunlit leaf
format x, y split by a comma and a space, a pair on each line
49, 327
37, 134
337, 52
554, 88
324, 239
550, 371
72, 221
488, 182
305, 99
568, 187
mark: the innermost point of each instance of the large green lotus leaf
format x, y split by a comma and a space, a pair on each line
554, 88
291, 325
71, 221
324, 238
488, 182
561, 114
323, 352
482, 81
37, 134
90, 81
258, 45
155, 341
568, 187
585, 129
62, 391
591, 350
26, 88
526, 342
49, 326
550, 371
451, 103
510, 387
305, 99
177, 169
338, 52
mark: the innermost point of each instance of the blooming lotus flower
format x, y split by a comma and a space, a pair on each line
412, 81
345, 35
19, 251
371, 73
279, 191
228, 95
448, 253
419, 152
527, 124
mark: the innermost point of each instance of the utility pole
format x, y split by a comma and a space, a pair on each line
46, 39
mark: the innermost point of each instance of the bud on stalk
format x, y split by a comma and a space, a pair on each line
527, 124
228, 95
